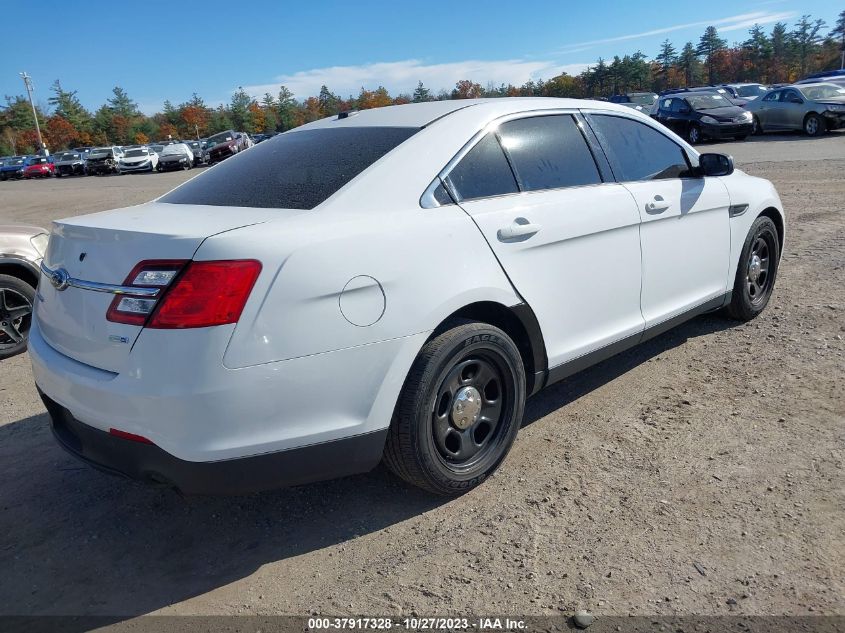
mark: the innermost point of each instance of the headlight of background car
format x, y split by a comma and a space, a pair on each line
709, 120
836, 108
747, 116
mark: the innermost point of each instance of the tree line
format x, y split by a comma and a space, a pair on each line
780, 55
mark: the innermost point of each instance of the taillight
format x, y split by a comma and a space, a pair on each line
206, 294
193, 294
156, 273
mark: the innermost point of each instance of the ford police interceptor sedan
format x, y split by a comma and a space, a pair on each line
390, 284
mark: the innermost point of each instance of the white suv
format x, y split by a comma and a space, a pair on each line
390, 284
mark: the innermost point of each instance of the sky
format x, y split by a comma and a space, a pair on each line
169, 50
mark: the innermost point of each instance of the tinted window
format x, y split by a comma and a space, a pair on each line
548, 152
772, 96
483, 172
637, 151
678, 105
297, 170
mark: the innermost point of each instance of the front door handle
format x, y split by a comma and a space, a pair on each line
658, 205
518, 230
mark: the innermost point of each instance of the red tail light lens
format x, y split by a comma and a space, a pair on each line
206, 294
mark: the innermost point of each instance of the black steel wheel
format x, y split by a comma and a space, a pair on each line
756, 271
16, 300
459, 410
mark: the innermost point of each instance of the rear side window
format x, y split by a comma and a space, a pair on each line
637, 151
548, 152
297, 170
483, 172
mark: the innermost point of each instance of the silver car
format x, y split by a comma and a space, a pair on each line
814, 108
21, 250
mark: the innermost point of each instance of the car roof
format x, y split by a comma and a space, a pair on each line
420, 115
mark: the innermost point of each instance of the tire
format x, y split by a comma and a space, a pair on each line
755, 280
756, 126
426, 436
814, 125
16, 301
694, 134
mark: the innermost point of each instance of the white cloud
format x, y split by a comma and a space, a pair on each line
732, 23
402, 76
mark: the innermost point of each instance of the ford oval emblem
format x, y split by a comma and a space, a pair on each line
59, 278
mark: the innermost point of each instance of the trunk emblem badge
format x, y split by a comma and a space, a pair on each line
59, 278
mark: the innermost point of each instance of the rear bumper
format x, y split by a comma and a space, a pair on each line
151, 464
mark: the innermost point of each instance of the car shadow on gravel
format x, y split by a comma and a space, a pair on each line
79, 542
582, 383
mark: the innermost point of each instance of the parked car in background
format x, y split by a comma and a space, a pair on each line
13, 167
813, 108
697, 116
158, 149
641, 101
707, 90
137, 159
274, 278
175, 156
197, 150
21, 250
69, 164
839, 80
747, 91
226, 144
39, 167
104, 160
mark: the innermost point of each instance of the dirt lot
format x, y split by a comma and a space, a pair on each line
700, 470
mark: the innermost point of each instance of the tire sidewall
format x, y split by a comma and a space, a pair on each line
8, 281
480, 339
762, 227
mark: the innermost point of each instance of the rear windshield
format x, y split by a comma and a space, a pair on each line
297, 170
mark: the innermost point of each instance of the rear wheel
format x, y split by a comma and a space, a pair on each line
814, 125
459, 410
16, 299
756, 271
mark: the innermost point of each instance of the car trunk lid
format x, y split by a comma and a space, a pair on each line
104, 248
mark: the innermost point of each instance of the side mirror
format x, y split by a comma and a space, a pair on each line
715, 165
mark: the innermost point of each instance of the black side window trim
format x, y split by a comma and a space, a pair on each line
588, 116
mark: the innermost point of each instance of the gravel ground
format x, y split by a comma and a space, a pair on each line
701, 473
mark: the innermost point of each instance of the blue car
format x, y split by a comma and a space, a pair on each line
13, 167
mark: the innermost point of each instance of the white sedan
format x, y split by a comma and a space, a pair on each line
387, 284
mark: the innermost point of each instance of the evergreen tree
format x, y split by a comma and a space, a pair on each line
758, 47
688, 63
67, 105
121, 105
708, 47
421, 93
666, 58
805, 40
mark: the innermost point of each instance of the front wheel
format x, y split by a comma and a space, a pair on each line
756, 271
694, 134
756, 127
814, 125
16, 299
459, 410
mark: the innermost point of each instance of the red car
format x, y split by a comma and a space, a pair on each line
225, 144
39, 167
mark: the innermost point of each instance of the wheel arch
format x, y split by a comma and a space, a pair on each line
775, 216
19, 268
520, 323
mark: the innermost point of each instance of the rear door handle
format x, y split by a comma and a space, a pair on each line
658, 205
520, 228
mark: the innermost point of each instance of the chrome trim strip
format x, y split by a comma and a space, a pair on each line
96, 286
